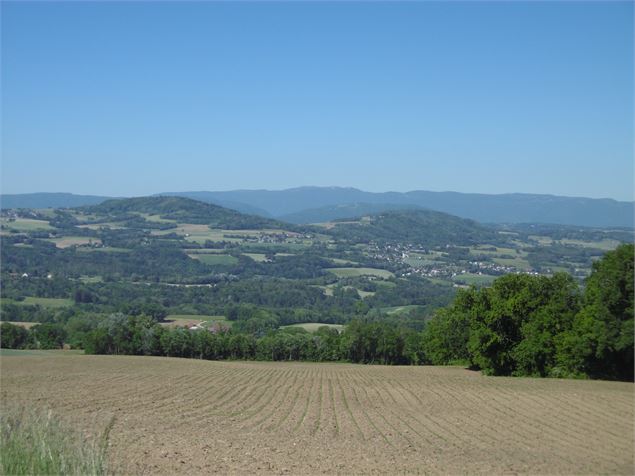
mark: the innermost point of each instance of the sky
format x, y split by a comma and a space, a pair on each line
128, 99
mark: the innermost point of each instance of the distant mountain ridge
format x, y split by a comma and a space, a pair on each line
49, 200
505, 208
303, 204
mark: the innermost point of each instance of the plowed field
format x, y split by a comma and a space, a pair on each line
189, 416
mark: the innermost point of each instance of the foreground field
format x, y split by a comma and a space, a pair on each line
190, 416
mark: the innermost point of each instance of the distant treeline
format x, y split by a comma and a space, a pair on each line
119, 334
523, 325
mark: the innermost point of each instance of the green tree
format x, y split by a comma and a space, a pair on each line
536, 354
49, 336
515, 324
444, 339
13, 337
414, 348
600, 343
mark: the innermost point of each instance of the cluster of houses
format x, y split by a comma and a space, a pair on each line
283, 237
12, 214
393, 252
276, 238
434, 268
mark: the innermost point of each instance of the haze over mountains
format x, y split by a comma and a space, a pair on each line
49, 200
318, 204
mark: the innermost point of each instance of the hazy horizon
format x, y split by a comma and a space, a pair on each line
132, 195
124, 99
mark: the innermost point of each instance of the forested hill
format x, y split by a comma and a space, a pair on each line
207, 197
420, 227
343, 211
183, 209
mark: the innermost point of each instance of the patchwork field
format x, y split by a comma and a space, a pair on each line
25, 224
104, 249
214, 259
605, 245
342, 262
328, 290
399, 309
26, 325
516, 262
314, 326
202, 233
186, 320
351, 272
257, 257
68, 241
97, 226
194, 417
475, 279
156, 218
44, 302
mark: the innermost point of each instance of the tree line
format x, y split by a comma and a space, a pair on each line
119, 334
522, 325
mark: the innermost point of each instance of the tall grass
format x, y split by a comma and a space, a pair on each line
37, 442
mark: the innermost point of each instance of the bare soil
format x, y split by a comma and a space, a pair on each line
201, 417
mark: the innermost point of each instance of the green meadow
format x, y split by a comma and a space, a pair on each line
215, 259
26, 224
314, 326
353, 272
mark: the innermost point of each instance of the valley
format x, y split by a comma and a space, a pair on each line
181, 256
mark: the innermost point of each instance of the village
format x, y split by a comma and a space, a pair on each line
439, 264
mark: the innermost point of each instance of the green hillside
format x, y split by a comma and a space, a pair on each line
183, 210
422, 227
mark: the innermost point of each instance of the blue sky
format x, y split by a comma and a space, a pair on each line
139, 98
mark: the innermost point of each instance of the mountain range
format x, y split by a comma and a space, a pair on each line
318, 204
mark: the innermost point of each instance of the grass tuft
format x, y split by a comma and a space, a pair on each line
37, 442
